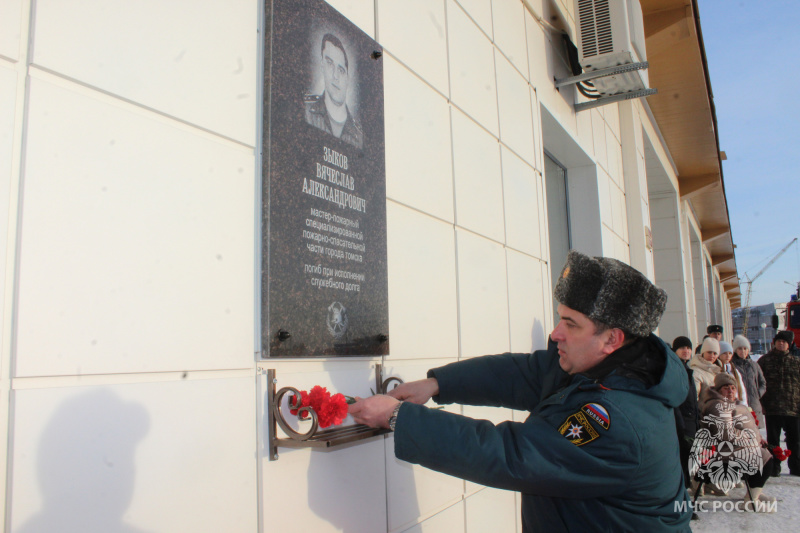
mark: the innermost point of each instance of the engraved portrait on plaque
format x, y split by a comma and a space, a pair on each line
324, 289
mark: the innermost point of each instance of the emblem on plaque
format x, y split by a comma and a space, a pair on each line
337, 319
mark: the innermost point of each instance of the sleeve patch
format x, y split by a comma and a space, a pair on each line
577, 429
598, 413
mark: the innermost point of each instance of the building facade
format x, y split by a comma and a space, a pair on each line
759, 325
133, 392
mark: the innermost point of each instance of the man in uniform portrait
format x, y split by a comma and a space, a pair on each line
328, 111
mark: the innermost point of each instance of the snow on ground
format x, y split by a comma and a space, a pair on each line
785, 488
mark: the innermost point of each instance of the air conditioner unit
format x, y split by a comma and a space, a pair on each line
611, 33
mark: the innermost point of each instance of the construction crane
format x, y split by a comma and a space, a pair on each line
750, 284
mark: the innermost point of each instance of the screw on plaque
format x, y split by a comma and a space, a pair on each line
283, 335
376, 54
383, 337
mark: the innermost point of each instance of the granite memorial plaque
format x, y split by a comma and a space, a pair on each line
324, 281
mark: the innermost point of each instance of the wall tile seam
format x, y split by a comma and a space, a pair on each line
56, 78
131, 378
407, 526
495, 241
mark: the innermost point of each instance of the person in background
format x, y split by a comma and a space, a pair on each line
715, 332
752, 376
700, 344
687, 415
724, 362
722, 398
703, 364
781, 401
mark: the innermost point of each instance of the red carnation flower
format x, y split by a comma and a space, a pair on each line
331, 410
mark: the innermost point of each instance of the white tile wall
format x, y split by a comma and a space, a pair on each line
8, 101
449, 520
599, 138
481, 12
10, 28
418, 155
423, 308
509, 32
148, 266
492, 511
478, 180
166, 56
359, 12
614, 151
168, 456
523, 205
483, 301
414, 491
612, 119
526, 302
472, 73
537, 130
514, 105
423, 50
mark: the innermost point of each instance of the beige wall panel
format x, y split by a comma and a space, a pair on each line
414, 491
508, 17
197, 64
526, 296
514, 105
423, 304
492, 511
523, 205
423, 49
472, 72
149, 265
8, 108
359, 12
478, 180
11, 27
419, 166
168, 456
483, 300
599, 138
481, 12
449, 520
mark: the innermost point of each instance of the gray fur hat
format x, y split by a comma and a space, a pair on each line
611, 292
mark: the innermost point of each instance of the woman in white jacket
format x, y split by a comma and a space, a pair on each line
703, 364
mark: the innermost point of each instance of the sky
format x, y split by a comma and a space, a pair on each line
753, 52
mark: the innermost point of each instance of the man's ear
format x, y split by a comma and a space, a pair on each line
614, 340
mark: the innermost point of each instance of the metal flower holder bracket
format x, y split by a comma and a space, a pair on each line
314, 437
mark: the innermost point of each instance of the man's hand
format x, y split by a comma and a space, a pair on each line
416, 391
373, 411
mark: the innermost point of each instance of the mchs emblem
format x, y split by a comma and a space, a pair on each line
337, 320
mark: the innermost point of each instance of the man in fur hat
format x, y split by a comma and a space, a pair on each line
781, 401
599, 450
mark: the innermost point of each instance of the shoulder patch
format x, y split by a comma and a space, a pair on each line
577, 429
598, 413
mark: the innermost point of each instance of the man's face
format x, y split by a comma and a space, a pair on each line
334, 70
729, 392
781, 345
716, 335
684, 352
579, 349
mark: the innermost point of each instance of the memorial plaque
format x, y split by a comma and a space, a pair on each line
324, 281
